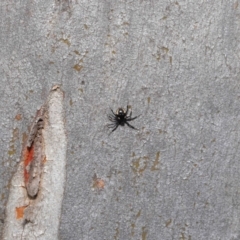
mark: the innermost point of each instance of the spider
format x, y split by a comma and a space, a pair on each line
120, 118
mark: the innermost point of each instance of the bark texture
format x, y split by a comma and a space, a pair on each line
174, 62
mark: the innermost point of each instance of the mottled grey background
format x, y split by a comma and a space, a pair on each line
174, 62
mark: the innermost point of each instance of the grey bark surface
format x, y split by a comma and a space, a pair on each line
174, 62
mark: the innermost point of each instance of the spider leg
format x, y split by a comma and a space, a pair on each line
116, 126
127, 110
128, 107
131, 126
130, 119
113, 112
112, 125
111, 118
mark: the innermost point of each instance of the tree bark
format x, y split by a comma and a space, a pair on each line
176, 64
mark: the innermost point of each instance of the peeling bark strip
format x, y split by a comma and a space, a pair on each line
35, 126
34, 155
34, 211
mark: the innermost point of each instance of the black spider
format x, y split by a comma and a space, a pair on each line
120, 118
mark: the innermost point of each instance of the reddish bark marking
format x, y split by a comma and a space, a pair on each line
28, 157
18, 117
98, 183
20, 212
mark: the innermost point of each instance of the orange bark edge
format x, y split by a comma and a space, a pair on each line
20, 212
28, 158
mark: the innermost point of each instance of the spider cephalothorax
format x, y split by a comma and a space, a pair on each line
120, 118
